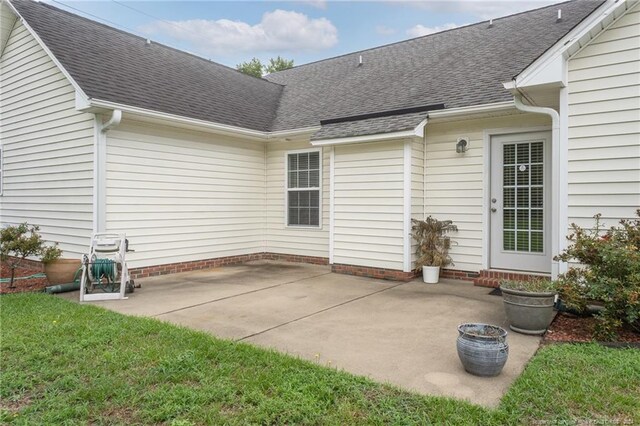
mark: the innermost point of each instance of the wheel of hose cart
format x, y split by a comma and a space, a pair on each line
130, 287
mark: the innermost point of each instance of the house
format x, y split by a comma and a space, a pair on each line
512, 128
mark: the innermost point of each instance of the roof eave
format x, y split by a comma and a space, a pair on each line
97, 105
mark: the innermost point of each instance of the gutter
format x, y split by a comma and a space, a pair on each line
418, 131
87, 105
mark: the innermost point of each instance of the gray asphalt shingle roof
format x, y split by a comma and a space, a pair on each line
460, 67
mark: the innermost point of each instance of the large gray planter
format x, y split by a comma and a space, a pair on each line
528, 312
482, 348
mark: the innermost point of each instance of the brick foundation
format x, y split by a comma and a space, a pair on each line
456, 274
172, 268
380, 273
492, 278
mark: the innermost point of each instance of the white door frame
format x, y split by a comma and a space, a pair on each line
486, 183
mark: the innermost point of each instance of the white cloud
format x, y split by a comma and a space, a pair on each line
482, 9
421, 30
278, 31
384, 30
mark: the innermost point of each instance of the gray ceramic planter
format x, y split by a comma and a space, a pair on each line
528, 312
482, 348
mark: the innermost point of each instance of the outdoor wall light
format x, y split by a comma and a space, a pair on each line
462, 145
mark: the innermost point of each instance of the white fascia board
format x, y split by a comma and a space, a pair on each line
549, 69
378, 137
76, 86
92, 104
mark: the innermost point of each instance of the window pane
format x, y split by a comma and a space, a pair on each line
523, 241
293, 179
294, 198
315, 217
536, 220
523, 219
303, 161
523, 197
509, 240
314, 160
509, 154
537, 245
509, 221
314, 198
304, 216
509, 178
536, 197
537, 176
523, 153
523, 174
304, 199
303, 179
314, 179
293, 216
293, 162
537, 153
509, 197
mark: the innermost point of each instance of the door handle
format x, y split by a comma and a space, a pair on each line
493, 210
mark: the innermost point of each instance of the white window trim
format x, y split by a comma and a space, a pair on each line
286, 189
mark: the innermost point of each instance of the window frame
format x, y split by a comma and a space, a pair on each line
287, 189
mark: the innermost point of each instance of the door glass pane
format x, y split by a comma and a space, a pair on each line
523, 197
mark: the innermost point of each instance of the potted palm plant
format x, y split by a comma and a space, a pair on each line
529, 304
432, 251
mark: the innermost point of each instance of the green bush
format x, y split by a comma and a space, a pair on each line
609, 273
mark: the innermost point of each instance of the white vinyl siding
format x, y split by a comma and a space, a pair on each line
182, 196
455, 185
368, 204
47, 147
604, 125
283, 239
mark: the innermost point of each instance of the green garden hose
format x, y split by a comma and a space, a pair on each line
103, 268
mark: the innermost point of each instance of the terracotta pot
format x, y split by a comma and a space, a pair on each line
61, 271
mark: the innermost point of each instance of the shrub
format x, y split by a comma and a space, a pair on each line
539, 285
433, 243
19, 242
609, 273
51, 253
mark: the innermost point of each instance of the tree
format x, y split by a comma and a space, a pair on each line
255, 68
278, 64
19, 242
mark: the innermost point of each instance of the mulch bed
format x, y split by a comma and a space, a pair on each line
30, 284
575, 329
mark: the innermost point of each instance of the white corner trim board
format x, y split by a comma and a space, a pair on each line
406, 231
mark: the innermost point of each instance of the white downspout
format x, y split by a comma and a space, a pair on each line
99, 168
557, 232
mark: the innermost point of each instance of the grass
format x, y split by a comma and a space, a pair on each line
63, 363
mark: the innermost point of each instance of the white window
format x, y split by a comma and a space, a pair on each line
303, 180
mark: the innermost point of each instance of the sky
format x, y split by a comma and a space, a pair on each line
231, 32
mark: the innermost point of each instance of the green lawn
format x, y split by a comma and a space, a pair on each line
63, 363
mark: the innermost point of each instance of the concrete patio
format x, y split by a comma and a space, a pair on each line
400, 333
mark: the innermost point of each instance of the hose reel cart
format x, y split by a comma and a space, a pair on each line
105, 275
